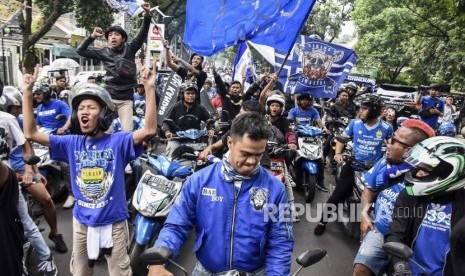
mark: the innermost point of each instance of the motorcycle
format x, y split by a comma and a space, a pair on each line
336, 127
193, 142
277, 160
304, 169
152, 201
49, 168
403, 252
161, 256
350, 210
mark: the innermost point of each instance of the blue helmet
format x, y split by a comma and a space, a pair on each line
447, 129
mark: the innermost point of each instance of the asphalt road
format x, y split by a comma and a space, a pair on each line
341, 248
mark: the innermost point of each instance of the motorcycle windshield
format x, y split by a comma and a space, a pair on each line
309, 131
167, 168
192, 133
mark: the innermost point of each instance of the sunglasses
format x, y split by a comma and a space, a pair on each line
394, 140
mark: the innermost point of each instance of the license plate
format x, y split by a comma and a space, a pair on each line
161, 184
309, 139
276, 166
196, 146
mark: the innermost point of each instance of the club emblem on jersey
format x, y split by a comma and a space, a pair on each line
258, 198
94, 183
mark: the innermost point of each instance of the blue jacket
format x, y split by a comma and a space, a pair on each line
232, 232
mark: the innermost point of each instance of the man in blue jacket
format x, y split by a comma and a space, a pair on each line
229, 203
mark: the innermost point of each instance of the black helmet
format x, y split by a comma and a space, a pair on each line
374, 104
116, 28
42, 88
304, 95
85, 90
188, 86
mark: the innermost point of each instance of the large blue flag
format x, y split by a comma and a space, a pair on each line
214, 25
315, 67
131, 7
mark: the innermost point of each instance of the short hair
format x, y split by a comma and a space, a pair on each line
253, 106
419, 131
450, 96
60, 77
236, 82
254, 125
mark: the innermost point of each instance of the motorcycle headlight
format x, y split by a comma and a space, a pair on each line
312, 151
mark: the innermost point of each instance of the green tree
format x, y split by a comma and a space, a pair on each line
327, 17
89, 13
426, 37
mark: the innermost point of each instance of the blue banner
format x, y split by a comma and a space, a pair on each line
243, 64
131, 7
315, 67
219, 24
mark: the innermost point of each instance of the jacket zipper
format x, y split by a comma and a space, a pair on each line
236, 194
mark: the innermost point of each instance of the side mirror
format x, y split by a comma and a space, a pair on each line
309, 258
156, 256
60, 117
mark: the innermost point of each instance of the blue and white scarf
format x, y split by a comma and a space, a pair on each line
231, 175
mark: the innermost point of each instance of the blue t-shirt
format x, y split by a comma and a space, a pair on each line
375, 179
137, 123
427, 102
46, 114
431, 245
138, 99
304, 117
368, 141
97, 174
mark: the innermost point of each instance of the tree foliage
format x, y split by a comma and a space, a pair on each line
89, 13
424, 37
327, 17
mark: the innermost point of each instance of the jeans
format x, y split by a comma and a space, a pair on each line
31, 231
199, 270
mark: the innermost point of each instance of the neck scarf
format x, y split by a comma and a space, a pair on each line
230, 174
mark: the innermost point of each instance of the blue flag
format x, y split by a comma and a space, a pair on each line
219, 24
131, 7
243, 64
315, 67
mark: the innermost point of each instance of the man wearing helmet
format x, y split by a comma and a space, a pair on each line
383, 184
48, 109
118, 60
352, 89
304, 113
275, 105
97, 162
185, 114
428, 214
369, 133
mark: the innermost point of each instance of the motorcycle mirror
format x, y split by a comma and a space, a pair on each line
60, 117
342, 139
156, 256
309, 258
398, 249
31, 159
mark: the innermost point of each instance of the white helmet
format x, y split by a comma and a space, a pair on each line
442, 158
276, 98
11, 97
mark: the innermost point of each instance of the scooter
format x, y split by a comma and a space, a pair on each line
162, 255
305, 166
278, 163
152, 201
193, 142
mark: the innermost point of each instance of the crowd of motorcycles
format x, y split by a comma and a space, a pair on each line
153, 182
